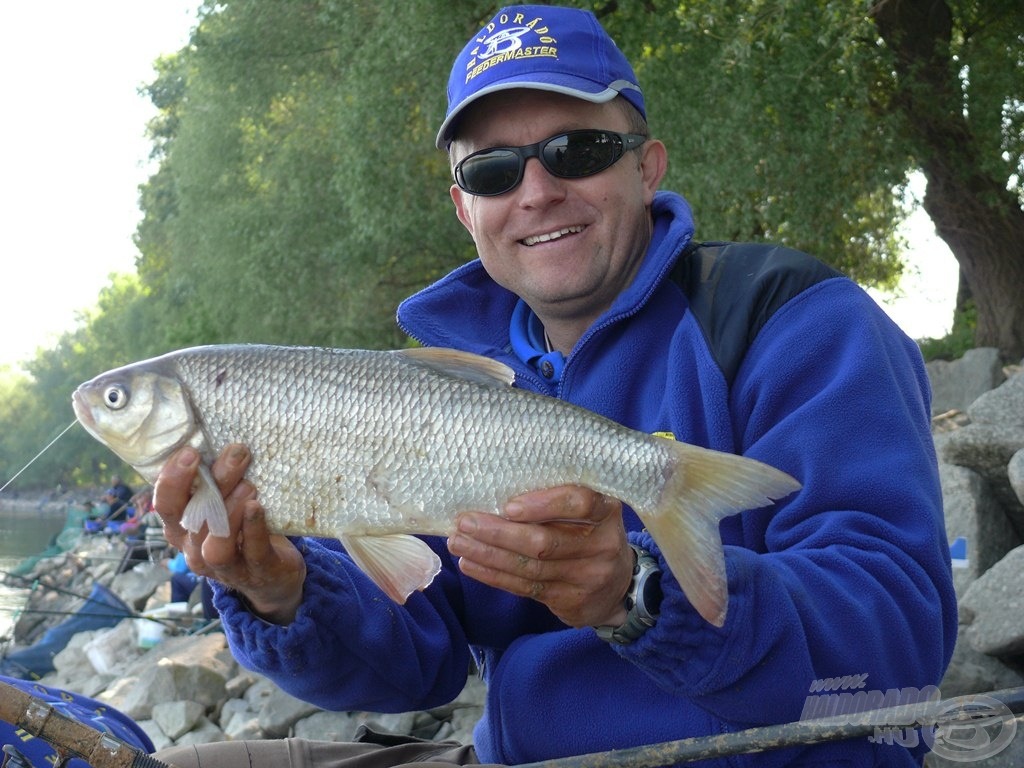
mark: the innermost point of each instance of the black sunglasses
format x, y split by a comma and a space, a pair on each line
571, 155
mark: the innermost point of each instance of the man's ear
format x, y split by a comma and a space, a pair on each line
462, 202
653, 164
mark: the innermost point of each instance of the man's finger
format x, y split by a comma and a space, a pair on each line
258, 548
230, 466
563, 503
173, 487
221, 551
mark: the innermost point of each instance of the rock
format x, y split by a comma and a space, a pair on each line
238, 720
992, 608
111, 650
137, 585
242, 726
972, 512
987, 449
279, 711
1002, 405
971, 671
240, 683
1015, 474
328, 726
958, 383
989, 442
176, 718
157, 736
400, 722
463, 722
175, 670
205, 732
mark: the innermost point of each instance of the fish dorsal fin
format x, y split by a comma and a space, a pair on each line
462, 365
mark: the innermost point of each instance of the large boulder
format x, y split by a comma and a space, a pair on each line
958, 383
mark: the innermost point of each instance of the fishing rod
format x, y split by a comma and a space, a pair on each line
69, 737
129, 612
31, 584
171, 621
949, 712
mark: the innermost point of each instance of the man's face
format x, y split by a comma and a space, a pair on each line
568, 247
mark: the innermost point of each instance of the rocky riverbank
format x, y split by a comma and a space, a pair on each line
175, 676
187, 688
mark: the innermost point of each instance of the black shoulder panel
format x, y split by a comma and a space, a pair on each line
734, 288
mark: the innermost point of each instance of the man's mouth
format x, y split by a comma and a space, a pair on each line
549, 236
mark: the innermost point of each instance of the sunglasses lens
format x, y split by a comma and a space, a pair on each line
581, 153
570, 155
490, 172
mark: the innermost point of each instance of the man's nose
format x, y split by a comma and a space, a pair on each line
539, 186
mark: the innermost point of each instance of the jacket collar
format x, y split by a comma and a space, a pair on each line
469, 311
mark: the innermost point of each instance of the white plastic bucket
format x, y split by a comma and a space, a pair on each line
149, 633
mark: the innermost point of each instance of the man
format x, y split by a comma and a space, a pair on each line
590, 286
118, 497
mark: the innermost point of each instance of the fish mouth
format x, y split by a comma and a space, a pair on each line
82, 411
547, 237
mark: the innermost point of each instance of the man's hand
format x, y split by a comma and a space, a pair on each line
565, 547
265, 568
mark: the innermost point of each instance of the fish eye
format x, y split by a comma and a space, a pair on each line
115, 397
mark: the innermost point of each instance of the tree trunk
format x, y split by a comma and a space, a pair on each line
977, 217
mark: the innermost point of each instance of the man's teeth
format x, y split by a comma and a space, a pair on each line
534, 239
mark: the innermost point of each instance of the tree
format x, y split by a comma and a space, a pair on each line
959, 77
299, 197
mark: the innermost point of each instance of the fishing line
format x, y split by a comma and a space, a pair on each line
36, 457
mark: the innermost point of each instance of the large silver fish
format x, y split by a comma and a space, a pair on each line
370, 447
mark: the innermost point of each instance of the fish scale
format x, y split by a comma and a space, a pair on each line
370, 446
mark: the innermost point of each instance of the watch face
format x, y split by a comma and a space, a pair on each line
652, 593
643, 601
648, 588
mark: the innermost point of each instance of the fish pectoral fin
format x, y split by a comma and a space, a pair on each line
399, 564
206, 505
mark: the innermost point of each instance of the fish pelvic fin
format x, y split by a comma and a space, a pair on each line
705, 486
206, 506
398, 563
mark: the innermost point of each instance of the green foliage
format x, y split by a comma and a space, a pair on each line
304, 198
766, 110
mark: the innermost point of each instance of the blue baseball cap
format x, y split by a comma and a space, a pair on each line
564, 50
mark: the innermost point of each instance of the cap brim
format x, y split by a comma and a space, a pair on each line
579, 88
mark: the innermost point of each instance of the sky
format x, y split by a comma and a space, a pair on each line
73, 152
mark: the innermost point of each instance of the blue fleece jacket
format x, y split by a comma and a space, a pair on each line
849, 577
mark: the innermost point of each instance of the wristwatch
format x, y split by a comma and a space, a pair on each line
643, 601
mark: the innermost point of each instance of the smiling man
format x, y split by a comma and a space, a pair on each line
567, 246
591, 286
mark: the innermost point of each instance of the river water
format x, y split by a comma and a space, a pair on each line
23, 533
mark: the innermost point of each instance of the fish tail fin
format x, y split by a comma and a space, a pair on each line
397, 563
705, 486
206, 506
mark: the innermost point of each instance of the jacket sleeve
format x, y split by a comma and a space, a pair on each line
851, 575
350, 646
